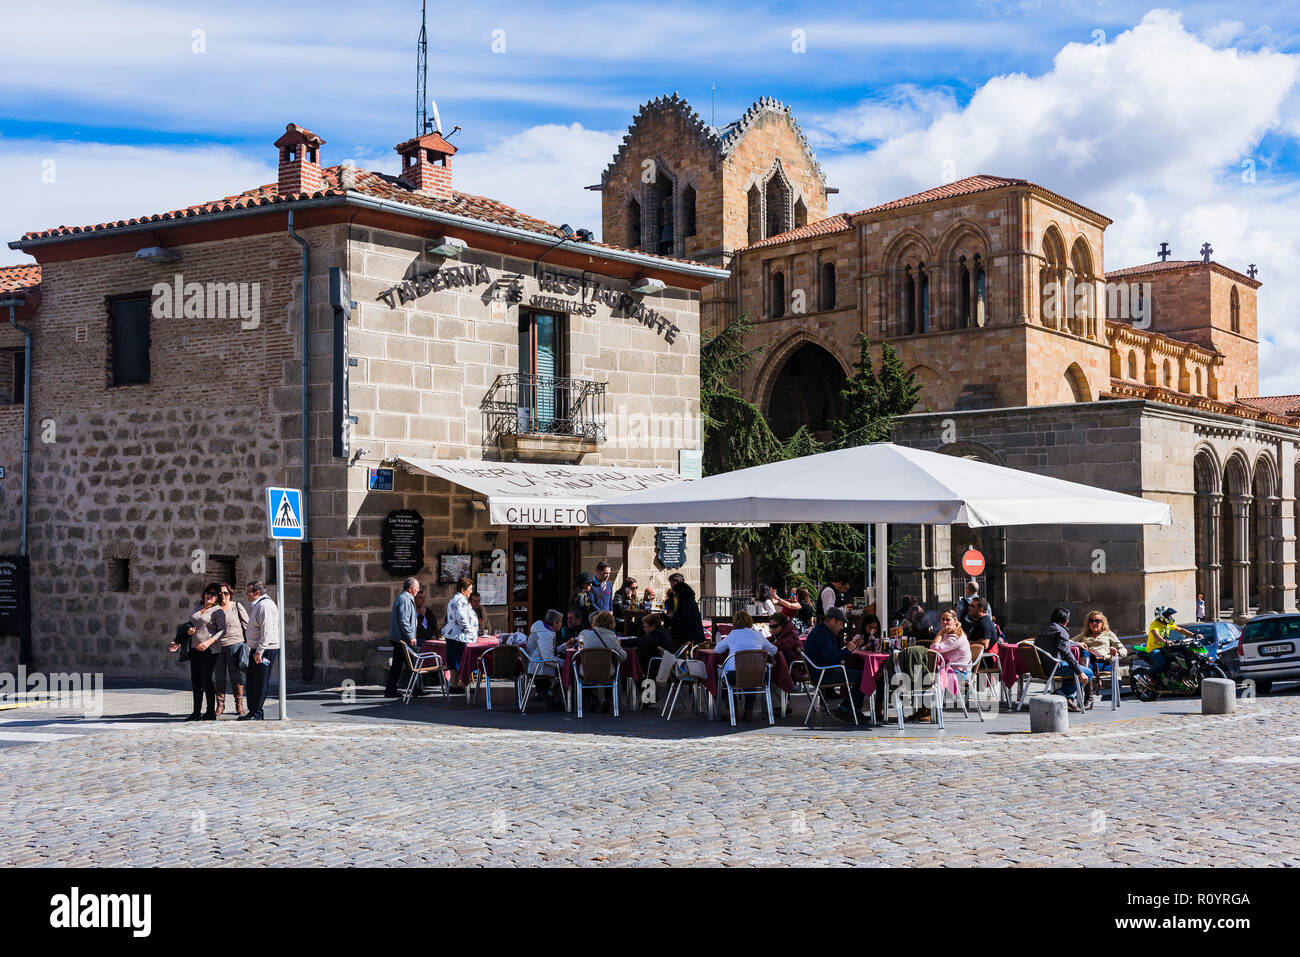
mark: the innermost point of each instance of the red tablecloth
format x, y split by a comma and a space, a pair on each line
872, 664
470, 659
718, 629
712, 661
630, 667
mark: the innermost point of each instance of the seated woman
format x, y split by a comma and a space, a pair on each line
950, 642
786, 638
653, 637
540, 647
742, 637
871, 633
1100, 643
766, 608
601, 635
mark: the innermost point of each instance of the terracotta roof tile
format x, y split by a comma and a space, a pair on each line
823, 227
1276, 404
961, 187
366, 182
17, 278
1175, 264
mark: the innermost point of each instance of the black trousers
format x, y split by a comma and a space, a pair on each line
396, 670
202, 664
259, 680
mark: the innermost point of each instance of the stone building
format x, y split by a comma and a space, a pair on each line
994, 292
505, 369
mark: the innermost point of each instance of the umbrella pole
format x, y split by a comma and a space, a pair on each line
882, 576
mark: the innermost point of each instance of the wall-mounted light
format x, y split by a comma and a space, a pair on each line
645, 286
477, 505
448, 246
156, 254
585, 235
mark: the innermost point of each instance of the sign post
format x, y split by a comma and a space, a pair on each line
283, 523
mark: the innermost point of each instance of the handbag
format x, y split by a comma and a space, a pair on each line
183, 639
245, 656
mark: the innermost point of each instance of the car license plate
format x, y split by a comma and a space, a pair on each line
1274, 650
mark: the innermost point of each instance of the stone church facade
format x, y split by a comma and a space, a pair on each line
996, 294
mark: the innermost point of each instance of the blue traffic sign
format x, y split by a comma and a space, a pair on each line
284, 514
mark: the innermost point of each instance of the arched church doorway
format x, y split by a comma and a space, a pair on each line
806, 392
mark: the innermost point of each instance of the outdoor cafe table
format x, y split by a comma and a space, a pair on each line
474, 651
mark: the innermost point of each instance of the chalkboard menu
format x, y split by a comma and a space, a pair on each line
670, 546
13, 593
519, 572
402, 542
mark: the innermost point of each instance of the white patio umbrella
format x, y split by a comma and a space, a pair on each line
880, 483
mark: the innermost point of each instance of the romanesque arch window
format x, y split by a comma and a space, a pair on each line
964, 295
1197, 380
1166, 376
1234, 310
800, 213
688, 211
754, 203
923, 298
1133, 366
1051, 280
778, 294
909, 302
777, 200
828, 285
981, 290
633, 225
663, 223
1083, 295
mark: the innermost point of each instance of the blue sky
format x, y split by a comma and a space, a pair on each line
1180, 123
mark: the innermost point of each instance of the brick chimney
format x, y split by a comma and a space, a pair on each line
299, 161
425, 164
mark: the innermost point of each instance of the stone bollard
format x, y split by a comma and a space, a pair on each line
1047, 714
1218, 696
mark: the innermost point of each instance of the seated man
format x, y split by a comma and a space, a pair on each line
540, 649
823, 649
1055, 640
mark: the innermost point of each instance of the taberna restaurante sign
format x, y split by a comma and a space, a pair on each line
556, 291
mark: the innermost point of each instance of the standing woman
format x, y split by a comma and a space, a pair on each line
800, 610
231, 652
207, 625
686, 625
461, 628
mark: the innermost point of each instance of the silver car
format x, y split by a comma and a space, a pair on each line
1269, 651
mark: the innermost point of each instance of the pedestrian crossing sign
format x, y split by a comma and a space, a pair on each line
284, 514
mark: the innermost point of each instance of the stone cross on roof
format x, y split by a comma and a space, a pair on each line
1164, 252
1206, 250
1252, 272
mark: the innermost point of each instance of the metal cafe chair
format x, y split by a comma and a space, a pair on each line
596, 668
819, 672
1033, 657
968, 676
917, 690
419, 664
681, 677
534, 668
502, 663
751, 674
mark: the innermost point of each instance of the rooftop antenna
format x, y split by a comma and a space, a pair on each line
422, 76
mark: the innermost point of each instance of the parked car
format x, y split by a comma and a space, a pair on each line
1268, 651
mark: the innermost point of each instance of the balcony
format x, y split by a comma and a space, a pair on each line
543, 418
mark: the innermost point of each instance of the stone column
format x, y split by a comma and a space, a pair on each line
1270, 585
1240, 512
1210, 569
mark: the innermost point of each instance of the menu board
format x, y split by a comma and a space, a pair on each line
670, 546
402, 542
491, 588
519, 572
13, 594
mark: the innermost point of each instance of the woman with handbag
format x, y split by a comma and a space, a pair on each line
460, 630
207, 625
232, 653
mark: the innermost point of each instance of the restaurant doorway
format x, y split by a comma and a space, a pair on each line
543, 564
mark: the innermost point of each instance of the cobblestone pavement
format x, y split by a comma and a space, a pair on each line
1161, 789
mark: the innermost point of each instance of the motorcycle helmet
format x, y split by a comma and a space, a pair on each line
1169, 614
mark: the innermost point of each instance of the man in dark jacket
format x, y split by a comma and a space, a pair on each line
823, 649
1055, 640
403, 626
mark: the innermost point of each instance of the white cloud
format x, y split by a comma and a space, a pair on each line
95, 183
900, 110
1150, 129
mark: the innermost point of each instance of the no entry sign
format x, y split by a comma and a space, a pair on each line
972, 563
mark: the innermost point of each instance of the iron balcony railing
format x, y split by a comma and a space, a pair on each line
520, 404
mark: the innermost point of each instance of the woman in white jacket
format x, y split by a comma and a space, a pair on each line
461, 628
